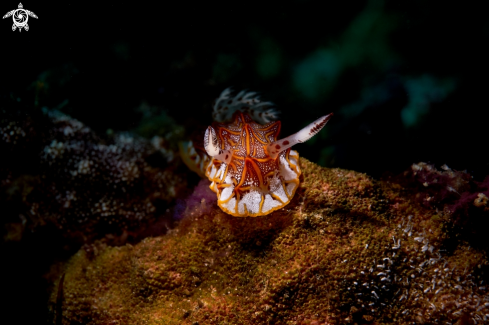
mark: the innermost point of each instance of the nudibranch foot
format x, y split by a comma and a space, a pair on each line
194, 157
255, 199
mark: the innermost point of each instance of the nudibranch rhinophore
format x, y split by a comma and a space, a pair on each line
251, 171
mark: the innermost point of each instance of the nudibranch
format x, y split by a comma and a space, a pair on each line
251, 171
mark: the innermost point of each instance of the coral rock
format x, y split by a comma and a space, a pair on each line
82, 183
347, 249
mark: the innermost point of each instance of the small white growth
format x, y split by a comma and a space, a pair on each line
445, 167
159, 144
55, 149
396, 245
425, 248
84, 166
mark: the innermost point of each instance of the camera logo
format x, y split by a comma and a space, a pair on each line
20, 17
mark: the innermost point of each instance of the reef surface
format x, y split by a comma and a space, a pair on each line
60, 173
348, 249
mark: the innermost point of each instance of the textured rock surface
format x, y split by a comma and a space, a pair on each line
60, 172
347, 249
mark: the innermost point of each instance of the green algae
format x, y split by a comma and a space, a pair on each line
347, 249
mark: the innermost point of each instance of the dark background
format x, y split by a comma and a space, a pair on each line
407, 80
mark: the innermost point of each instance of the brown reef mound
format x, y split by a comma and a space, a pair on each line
348, 249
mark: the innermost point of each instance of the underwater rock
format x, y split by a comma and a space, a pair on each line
463, 199
347, 250
62, 173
